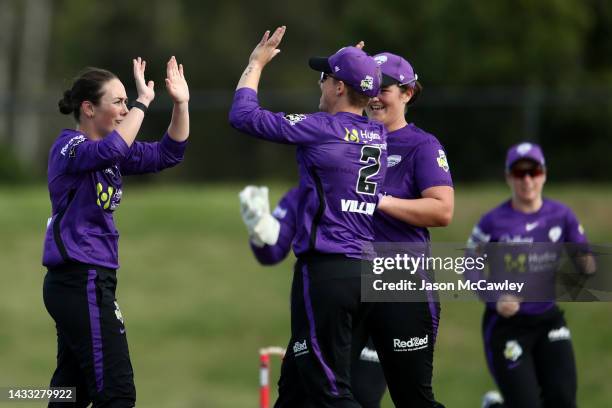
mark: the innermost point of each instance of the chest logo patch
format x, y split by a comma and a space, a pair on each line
104, 197
530, 226
442, 161
513, 350
393, 160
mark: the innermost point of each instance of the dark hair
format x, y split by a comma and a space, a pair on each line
87, 86
355, 97
417, 88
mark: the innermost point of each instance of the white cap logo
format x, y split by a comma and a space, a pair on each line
524, 148
381, 59
336, 68
402, 77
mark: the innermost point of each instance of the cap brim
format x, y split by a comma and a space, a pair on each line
320, 64
388, 81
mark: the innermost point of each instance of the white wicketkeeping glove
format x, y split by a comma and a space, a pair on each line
263, 228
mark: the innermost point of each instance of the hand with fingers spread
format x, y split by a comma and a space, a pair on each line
176, 84
267, 47
145, 89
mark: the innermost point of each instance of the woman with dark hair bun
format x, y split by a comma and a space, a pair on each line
80, 249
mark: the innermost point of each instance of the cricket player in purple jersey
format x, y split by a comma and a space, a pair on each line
339, 154
85, 169
271, 236
419, 194
528, 344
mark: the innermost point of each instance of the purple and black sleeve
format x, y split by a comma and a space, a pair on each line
248, 117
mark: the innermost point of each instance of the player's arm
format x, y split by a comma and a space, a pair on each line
270, 235
434, 209
154, 157
581, 253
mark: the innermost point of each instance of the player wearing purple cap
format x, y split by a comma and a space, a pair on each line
527, 344
85, 168
271, 235
418, 194
339, 154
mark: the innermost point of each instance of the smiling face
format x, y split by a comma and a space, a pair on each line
526, 179
110, 110
389, 106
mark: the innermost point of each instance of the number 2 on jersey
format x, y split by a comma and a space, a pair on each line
371, 156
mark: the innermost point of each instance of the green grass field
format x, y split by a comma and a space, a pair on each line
198, 306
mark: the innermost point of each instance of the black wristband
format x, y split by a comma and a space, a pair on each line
140, 106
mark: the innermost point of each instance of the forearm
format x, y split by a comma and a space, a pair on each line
251, 76
179, 124
130, 125
420, 212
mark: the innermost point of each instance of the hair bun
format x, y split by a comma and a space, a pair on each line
65, 104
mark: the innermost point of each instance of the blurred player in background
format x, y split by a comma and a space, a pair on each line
339, 154
86, 165
528, 344
418, 194
271, 237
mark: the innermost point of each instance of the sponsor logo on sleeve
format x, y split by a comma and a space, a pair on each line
70, 147
294, 118
393, 160
279, 212
442, 161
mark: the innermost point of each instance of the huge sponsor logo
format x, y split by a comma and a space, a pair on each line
360, 136
415, 343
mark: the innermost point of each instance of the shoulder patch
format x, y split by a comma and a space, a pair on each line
294, 118
71, 146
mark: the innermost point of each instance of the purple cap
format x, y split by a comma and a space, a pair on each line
352, 66
525, 150
395, 69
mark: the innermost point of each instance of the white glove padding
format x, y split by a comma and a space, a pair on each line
253, 204
263, 228
266, 230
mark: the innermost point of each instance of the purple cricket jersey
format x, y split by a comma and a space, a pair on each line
416, 161
285, 213
84, 179
554, 222
338, 159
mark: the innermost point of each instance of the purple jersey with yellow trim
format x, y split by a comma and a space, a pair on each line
84, 179
339, 161
553, 223
285, 213
416, 161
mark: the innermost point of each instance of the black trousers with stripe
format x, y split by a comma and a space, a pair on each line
531, 359
92, 349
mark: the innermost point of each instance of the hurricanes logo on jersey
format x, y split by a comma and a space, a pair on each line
517, 264
351, 135
513, 350
442, 161
104, 197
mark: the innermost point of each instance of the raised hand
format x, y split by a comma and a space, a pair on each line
145, 89
267, 47
176, 84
